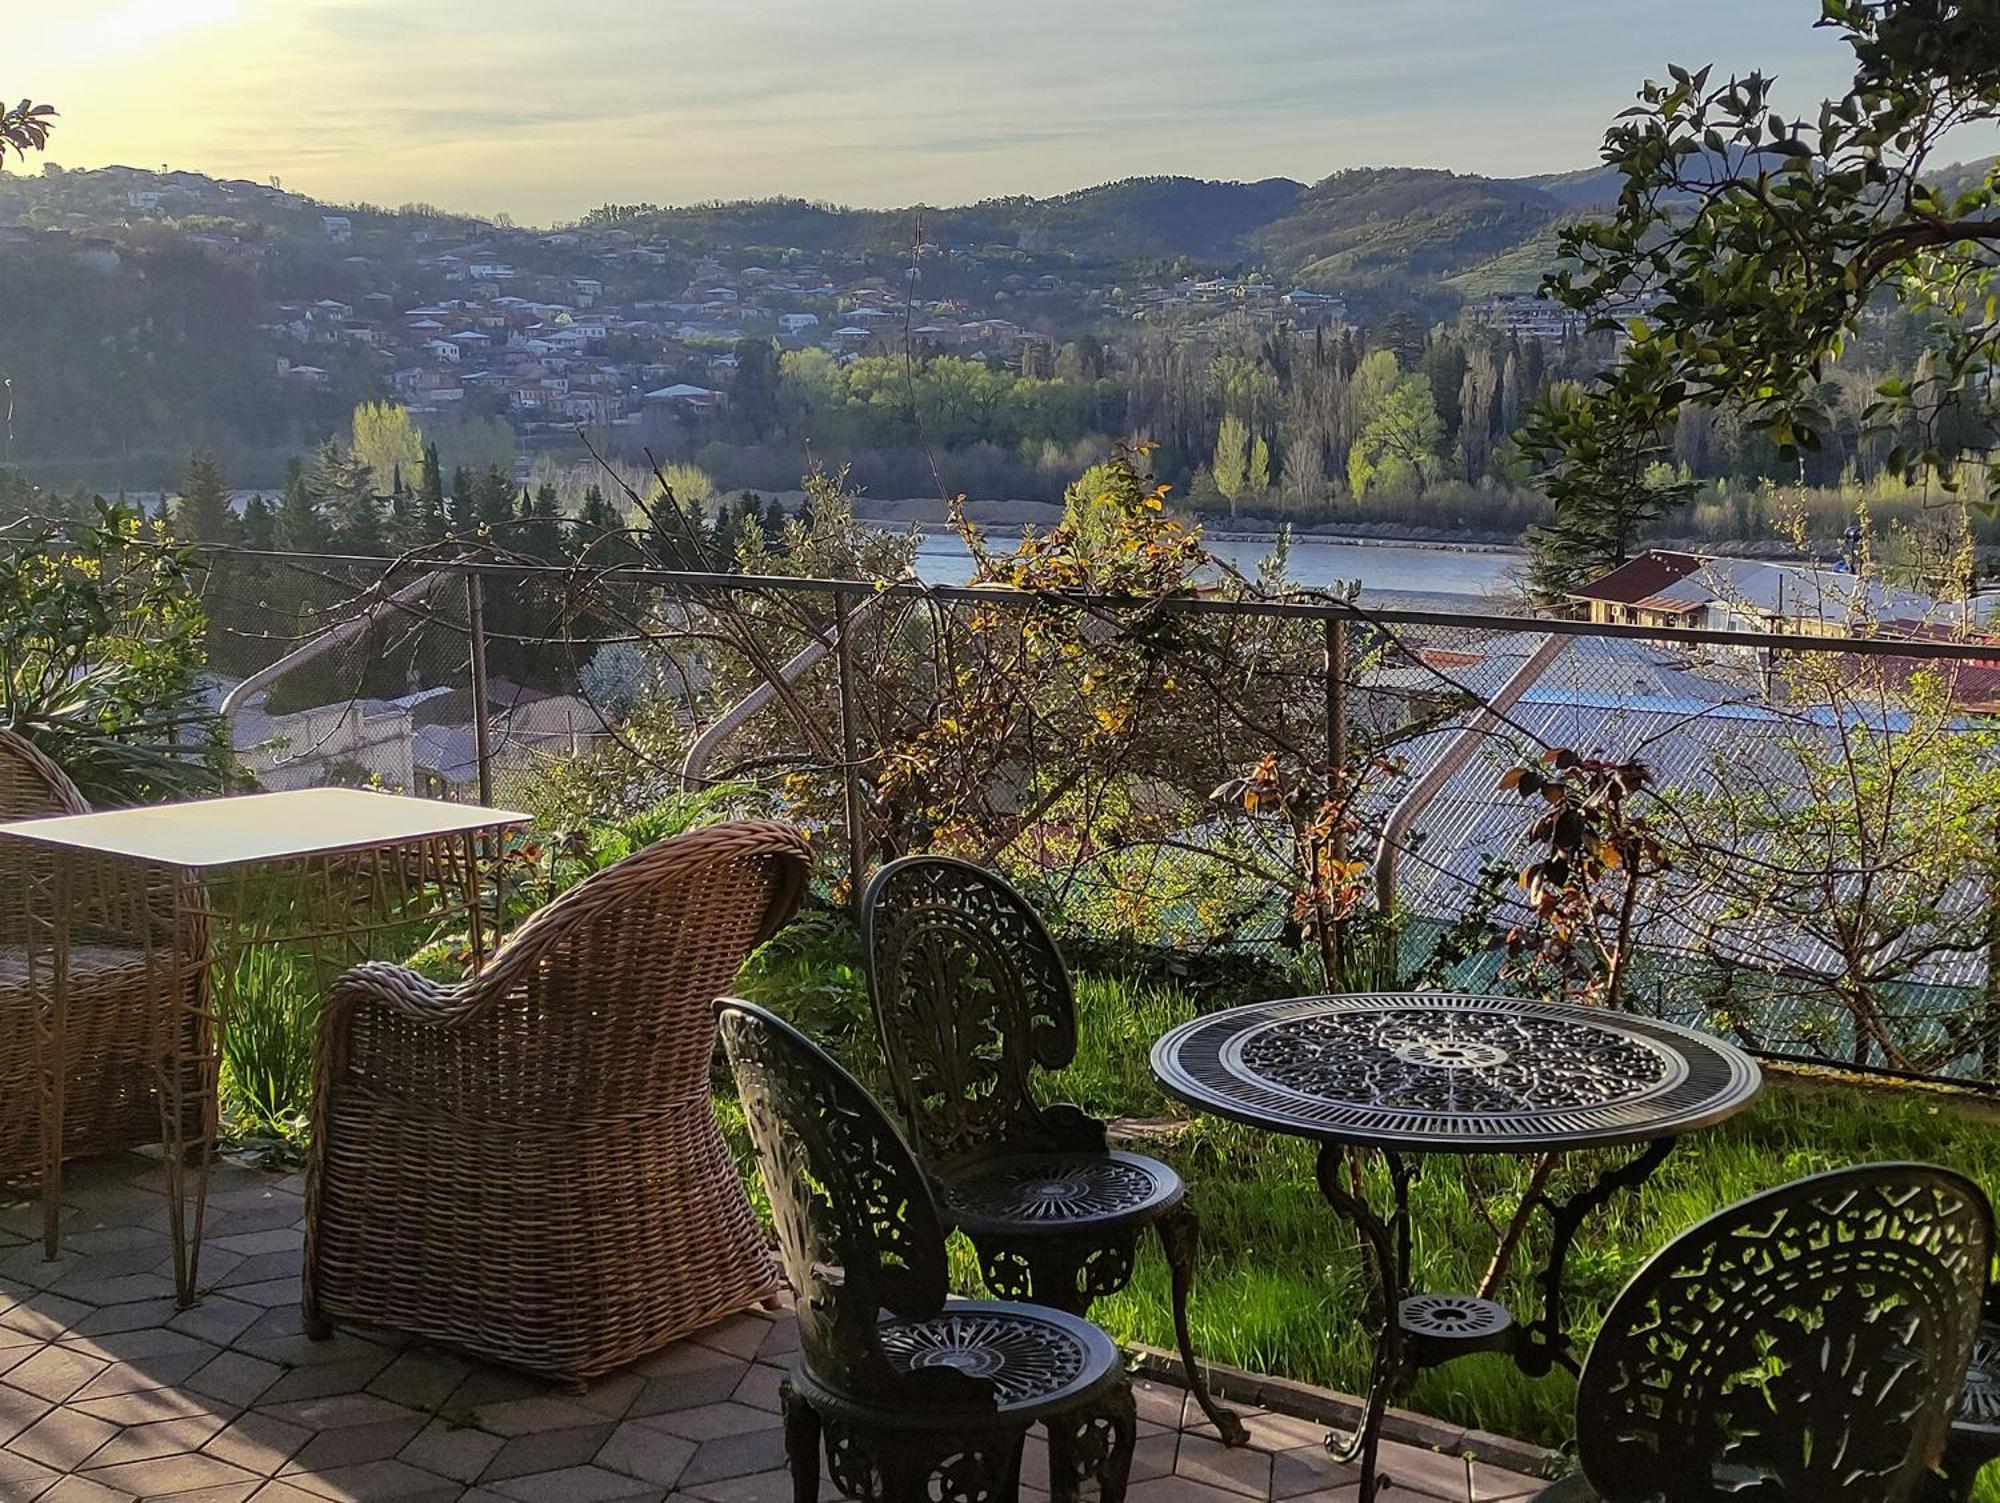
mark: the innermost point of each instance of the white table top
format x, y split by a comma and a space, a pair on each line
216, 832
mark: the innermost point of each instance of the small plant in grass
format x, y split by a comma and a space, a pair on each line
268, 1041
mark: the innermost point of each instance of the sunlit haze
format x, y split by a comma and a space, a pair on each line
544, 111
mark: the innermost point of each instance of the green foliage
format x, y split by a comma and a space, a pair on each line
1397, 448
202, 514
388, 442
100, 643
1600, 461
1232, 460
25, 127
268, 1051
1764, 240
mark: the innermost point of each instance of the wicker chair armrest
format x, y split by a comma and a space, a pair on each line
403, 997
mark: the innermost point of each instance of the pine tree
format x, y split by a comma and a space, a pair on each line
300, 526
598, 532
260, 524
203, 514
347, 483
774, 521
542, 532
493, 503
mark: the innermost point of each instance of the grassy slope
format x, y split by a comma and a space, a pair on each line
1278, 1289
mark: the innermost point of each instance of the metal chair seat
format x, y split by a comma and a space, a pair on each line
1037, 1361
1975, 1434
1056, 1194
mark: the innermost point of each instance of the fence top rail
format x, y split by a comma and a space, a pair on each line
1304, 604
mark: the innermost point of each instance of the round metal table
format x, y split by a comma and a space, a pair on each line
1409, 1074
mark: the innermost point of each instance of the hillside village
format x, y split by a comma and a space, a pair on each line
597, 326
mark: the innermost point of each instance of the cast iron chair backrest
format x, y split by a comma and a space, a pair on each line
1807, 1343
971, 997
856, 1226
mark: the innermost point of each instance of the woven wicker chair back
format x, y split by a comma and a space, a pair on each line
600, 1002
971, 998
31, 787
30, 784
856, 1224
1807, 1343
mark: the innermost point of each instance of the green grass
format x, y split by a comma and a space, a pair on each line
1278, 1289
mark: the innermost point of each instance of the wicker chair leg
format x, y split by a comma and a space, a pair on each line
1093, 1444
801, 1443
1180, 1236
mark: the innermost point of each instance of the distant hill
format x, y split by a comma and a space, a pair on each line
1366, 223
1403, 222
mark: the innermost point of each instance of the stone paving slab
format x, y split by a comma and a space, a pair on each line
107, 1393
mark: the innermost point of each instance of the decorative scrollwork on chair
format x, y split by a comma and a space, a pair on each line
932, 1402
1808, 1343
971, 999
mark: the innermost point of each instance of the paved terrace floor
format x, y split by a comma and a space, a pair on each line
106, 1392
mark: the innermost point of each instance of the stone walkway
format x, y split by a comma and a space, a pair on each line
106, 1392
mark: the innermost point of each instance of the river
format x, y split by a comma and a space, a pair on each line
1384, 569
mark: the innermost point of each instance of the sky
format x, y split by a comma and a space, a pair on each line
543, 109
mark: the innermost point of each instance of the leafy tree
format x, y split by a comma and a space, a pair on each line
1232, 461
1610, 486
25, 127
1853, 857
202, 514
100, 648
1761, 242
1397, 450
387, 441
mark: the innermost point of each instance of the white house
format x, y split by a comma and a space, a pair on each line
797, 323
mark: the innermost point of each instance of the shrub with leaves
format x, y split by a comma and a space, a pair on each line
101, 634
1583, 889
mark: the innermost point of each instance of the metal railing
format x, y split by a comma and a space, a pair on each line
587, 693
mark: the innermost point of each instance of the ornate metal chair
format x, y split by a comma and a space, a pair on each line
1808, 1343
971, 997
527, 1166
1975, 1434
918, 1401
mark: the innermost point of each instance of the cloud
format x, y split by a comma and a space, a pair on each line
545, 109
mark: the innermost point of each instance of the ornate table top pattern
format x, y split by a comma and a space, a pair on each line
1437, 1072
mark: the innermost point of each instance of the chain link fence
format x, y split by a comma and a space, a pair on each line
1825, 807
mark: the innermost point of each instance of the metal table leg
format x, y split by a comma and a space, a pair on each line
1542, 1345
1385, 1259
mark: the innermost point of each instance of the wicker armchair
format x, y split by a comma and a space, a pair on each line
111, 1096
526, 1166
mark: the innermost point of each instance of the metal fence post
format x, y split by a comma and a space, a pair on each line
1336, 690
475, 621
857, 834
